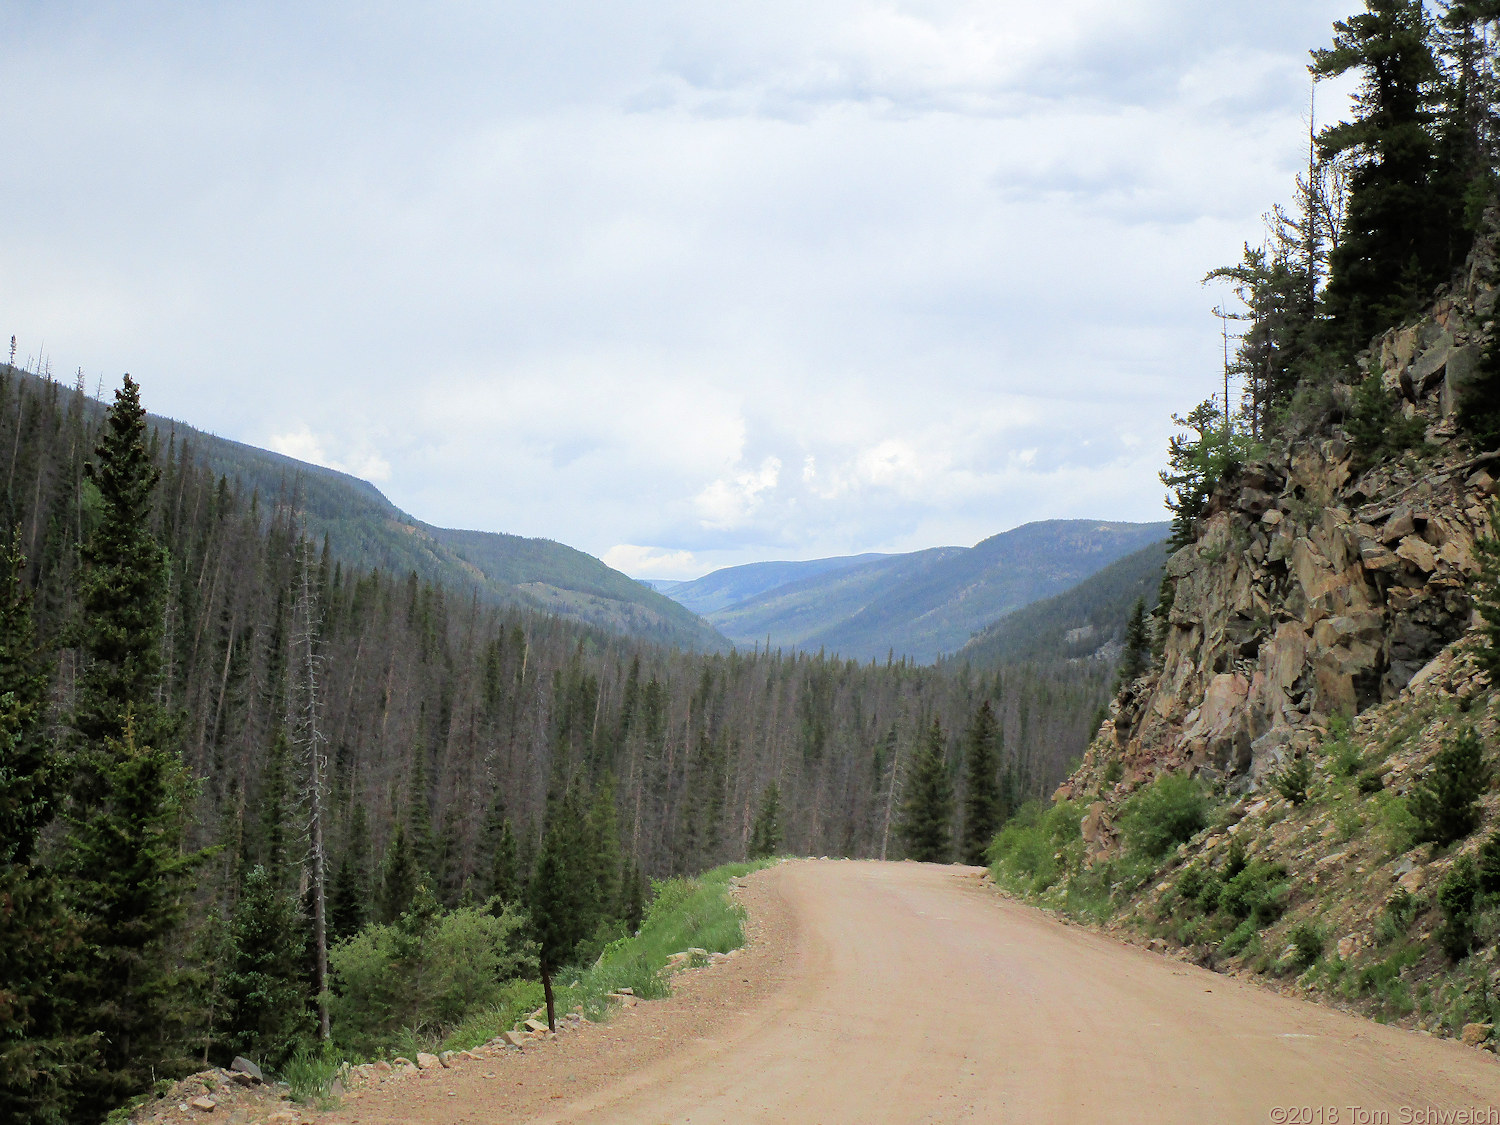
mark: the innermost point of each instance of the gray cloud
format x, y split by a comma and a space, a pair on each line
589, 271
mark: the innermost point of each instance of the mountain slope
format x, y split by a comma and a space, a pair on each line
365, 530
734, 584
928, 603
1086, 620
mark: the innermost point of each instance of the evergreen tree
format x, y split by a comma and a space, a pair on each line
1277, 285
765, 834
126, 868
122, 594
505, 875
1134, 660
276, 804
559, 895
39, 1059
1197, 461
982, 810
349, 906
927, 810
264, 986
1446, 801
449, 873
633, 898
1485, 593
129, 878
1395, 246
604, 848
398, 878
424, 846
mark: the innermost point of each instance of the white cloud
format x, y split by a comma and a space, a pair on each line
652, 562
304, 445
730, 500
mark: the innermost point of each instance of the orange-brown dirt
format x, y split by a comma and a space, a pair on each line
906, 992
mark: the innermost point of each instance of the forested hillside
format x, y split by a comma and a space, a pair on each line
1086, 621
261, 728
925, 604
365, 530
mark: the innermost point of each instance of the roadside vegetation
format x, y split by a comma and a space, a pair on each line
451, 981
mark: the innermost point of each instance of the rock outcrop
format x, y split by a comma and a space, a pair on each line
1316, 588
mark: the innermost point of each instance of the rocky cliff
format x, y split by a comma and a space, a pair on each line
1316, 588
1323, 614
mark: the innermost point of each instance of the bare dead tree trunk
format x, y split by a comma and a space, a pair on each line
310, 740
890, 799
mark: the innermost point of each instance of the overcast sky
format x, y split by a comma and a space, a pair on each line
681, 284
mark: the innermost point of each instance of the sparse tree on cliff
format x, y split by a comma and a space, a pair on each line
1136, 657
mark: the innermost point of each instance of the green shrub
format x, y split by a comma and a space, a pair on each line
1237, 860
1455, 896
1164, 814
1191, 881
1024, 854
1395, 920
1344, 756
1292, 780
1210, 894
427, 971
1384, 980
1488, 869
310, 1073
1445, 802
1240, 937
1307, 944
1370, 782
512, 1002
1397, 827
1258, 892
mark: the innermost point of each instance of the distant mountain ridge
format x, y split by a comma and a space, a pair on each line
926, 604
724, 588
365, 529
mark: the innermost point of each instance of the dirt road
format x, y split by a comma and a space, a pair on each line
909, 993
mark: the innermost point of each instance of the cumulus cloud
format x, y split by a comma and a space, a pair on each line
729, 501
305, 445
652, 562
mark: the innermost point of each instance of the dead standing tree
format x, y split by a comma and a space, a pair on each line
306, 664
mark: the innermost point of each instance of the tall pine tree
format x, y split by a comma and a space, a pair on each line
927, 810
1395, 245
560, 893
982, 801
127, 871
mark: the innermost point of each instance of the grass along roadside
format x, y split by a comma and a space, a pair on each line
685, 913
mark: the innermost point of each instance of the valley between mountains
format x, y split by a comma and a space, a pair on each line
312, 810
